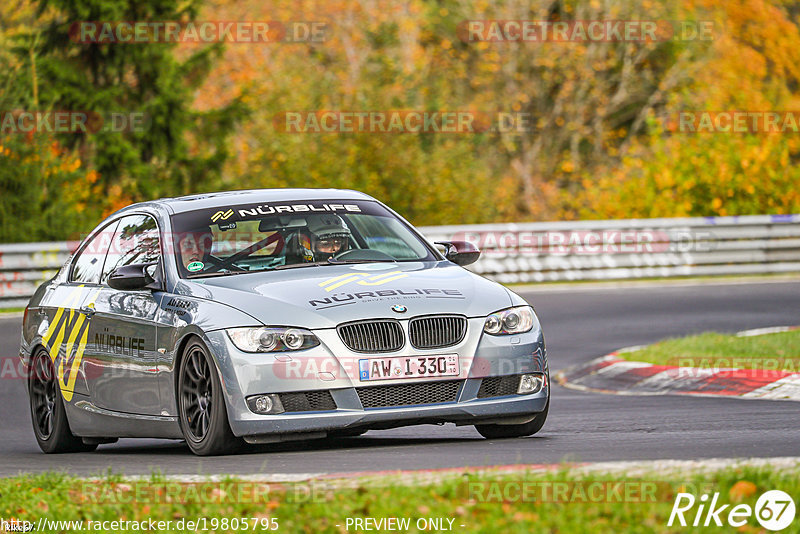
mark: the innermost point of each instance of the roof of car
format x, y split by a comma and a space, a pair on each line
249, 196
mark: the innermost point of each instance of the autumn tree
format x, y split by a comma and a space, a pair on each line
174, 149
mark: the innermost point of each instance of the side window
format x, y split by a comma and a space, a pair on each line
89, 263
135, 241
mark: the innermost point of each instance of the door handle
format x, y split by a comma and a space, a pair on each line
88, 311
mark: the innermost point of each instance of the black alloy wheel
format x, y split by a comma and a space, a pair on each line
201, 404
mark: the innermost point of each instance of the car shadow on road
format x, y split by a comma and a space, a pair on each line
179, 448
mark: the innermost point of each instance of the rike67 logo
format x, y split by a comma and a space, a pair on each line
774, 510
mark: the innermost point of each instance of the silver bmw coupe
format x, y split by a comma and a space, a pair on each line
272, 315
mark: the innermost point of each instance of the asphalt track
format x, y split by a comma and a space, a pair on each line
579, 324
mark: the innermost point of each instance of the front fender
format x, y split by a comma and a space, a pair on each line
179, 318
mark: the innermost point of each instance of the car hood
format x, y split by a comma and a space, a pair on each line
325, 296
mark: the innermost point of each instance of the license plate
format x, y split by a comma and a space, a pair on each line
407, 367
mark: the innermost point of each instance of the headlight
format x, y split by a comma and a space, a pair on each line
272, 339
511, 321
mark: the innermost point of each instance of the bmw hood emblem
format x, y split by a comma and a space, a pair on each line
399, 309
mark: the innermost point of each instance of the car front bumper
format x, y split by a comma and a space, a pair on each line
317, 369
511, 409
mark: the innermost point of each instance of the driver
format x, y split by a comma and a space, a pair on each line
329, 235
195, 246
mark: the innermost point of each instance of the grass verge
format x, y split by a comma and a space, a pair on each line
554, 501
778, 351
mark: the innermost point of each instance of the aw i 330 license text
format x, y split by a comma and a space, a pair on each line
273, 315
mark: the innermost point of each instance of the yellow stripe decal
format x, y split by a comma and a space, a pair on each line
332, 280
362, 278
73, 325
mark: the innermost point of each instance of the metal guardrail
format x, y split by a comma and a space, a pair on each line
546, 251
631, 248
24, 266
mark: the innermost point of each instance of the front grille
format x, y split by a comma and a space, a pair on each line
438, 331
373, 336
409, 394
307, 401
498, 386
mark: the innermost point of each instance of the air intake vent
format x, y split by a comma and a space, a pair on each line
498, 386
307, 401
437, 331
409, 394
372, 336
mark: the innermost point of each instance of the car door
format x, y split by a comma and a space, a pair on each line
123, 328
66, 311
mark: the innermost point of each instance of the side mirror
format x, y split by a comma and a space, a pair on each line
460, 252
135, 276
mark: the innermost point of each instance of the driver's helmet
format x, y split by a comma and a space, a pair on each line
329, 235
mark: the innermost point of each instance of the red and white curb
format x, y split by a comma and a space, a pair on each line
611, 374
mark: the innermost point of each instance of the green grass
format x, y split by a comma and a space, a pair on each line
468, 499
11, 310
780, 351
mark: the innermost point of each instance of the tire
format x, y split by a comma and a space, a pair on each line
514, 431
201, 404
48, 414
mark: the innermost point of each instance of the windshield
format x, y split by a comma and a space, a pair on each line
282, 235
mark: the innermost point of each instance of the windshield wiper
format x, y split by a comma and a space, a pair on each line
294, 265
217, 273
332, 261
329, 261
